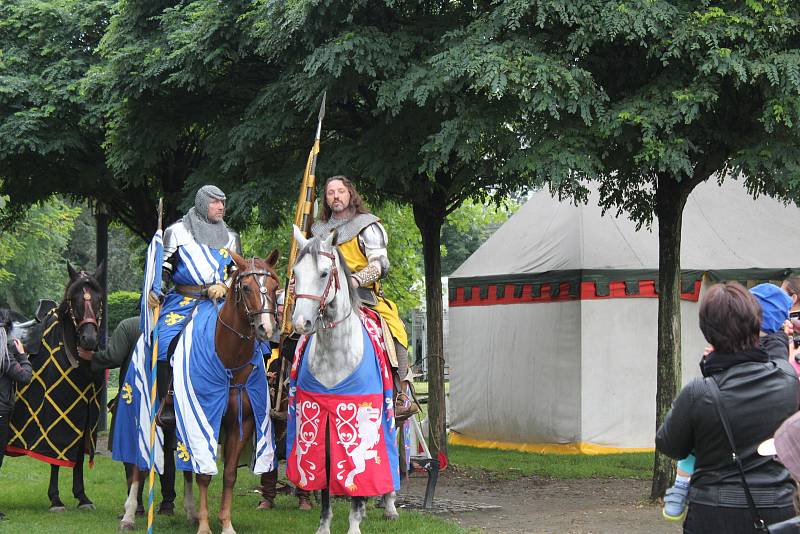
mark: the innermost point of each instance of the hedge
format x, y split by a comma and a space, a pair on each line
121, 305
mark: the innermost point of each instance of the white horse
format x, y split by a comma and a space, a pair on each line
326, 306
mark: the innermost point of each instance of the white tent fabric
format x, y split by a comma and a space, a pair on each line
582, 373
718, 233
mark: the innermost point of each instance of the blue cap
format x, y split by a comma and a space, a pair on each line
775, 305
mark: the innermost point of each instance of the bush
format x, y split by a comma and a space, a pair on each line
121, 305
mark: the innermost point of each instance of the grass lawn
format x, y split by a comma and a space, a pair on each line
511, 465
23, 496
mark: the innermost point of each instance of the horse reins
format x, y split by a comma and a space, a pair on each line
89, 316
333, 281
264, 300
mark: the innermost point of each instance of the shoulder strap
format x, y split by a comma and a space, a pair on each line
713, 389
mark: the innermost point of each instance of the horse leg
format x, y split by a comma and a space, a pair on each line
358, 510
233, 449
128, 521
203, 482
389, 509
52, 491
78, 489
188, 497
326, 513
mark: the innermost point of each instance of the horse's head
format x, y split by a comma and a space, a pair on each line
254, 287
83, 306
319, 273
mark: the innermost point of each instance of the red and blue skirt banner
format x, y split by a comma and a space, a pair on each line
358, 414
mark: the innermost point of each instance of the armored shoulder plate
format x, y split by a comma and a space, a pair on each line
174, 236
345, 229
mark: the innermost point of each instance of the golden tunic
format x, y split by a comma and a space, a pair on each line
356, 261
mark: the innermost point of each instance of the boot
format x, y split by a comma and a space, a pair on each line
405, 405
303, 502
165, 418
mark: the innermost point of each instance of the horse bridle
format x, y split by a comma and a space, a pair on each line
333, 281
89, 316
264, 299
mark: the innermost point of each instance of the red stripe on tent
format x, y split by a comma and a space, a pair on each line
588, 291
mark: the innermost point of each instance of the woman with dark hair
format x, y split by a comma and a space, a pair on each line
756, 395
14, 369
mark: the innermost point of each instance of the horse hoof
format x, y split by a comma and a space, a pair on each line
58, 508
391, 516
88, 506
124, 526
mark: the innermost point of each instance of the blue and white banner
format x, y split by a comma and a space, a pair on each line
202, 386
132, 417
152, 282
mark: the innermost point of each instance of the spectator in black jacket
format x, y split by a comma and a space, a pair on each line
14, 369
757, 395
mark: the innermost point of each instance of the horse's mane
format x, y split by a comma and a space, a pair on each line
313, 247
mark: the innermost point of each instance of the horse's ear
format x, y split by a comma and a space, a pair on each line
299, 237
272, 259
331, 239
100, 271
72, 274
240, 261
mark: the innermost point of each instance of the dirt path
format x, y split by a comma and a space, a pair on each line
537, 505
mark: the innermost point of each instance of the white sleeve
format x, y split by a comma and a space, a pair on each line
374, 241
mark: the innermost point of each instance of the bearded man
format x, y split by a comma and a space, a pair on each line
363, 242
196, 261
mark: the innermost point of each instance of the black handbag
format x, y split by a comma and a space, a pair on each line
713, 389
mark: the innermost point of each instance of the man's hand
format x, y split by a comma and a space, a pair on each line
153, 300
19, 348
217, 291
85, 354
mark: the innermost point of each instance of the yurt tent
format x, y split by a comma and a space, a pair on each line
553, 320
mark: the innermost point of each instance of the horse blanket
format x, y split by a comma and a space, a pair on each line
201, 385
359, 414
196, 265
55, 416
131, 436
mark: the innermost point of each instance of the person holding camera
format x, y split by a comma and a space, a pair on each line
14, 369
754, 393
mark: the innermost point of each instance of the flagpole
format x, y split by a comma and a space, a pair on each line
153, 396
303, 218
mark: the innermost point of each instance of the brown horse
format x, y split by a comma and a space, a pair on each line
248, 314
64, 395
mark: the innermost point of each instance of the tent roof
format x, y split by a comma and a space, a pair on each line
723, 228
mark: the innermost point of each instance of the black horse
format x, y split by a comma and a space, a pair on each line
55, 416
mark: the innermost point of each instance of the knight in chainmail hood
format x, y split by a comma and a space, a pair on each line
213, 233
197, 262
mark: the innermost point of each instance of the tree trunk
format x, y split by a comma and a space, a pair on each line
430, 226
670, 201
101, 245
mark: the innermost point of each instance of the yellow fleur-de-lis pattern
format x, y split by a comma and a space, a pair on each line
127, 393
224, 252
186, 301
183, 452
173, 318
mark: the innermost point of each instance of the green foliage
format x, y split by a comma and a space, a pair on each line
121, 305
31, 261
511, 465
404, 284
468, 227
